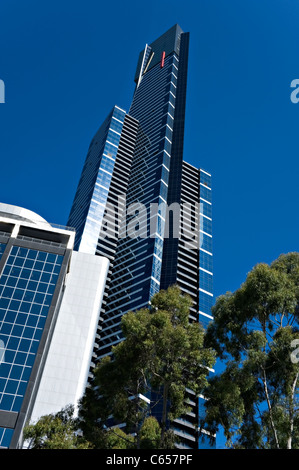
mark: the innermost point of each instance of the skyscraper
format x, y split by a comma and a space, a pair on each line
149, 252
50, 298
160, 77
103, 184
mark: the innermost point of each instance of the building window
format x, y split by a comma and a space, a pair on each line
27, 285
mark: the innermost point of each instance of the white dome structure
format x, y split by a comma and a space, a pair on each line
19, 213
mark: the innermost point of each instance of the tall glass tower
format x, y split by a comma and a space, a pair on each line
164, 227
159, 106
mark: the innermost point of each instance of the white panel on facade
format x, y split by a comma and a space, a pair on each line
67, 366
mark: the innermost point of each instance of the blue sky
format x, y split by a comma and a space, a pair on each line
66, 63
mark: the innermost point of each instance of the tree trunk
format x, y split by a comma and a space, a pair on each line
291, 413
164, 412
266, 387
270, 409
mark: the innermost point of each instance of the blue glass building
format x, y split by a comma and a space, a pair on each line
155, 246
33, 262
50, 299
102, 185
103, 176
160, 77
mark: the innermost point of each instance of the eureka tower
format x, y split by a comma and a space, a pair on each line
160, 233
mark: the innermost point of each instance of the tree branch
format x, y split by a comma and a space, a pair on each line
264, 380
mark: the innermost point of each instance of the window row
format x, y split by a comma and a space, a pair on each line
11, 402
205, 179
21, 252
21, 331
205, 242
205, 281
9, 293
5, 437
205, 261
205, 302
19, 345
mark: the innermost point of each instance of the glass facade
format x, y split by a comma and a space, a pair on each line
100, 198
206, 298
137, 270
34, 257
27, 284
146, 257
89, 204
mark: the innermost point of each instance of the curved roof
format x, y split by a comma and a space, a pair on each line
19, 213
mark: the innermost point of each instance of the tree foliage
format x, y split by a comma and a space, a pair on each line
161, 355
55, 431
255, 398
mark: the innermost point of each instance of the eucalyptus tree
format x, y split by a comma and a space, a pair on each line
162, 354
255, 329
